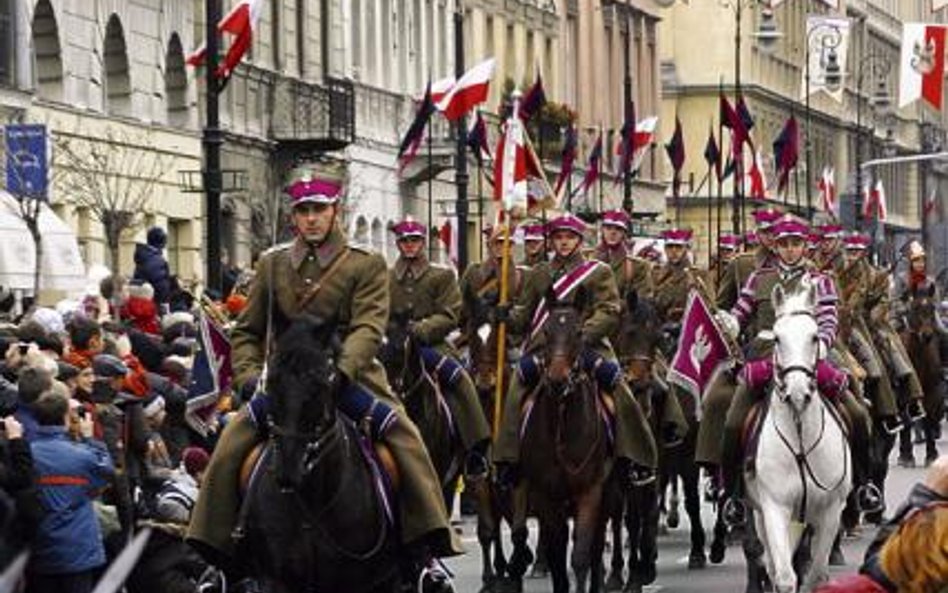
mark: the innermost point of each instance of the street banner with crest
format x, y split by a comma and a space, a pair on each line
702, 353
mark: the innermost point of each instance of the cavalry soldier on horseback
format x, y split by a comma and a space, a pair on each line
428, 298
568, 275
754, 314
320, 274
865, 294
635, 274
729, 247
534, 243
754, 258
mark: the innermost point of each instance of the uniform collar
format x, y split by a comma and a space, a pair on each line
325, 253
418, 266
567, 263
611, 254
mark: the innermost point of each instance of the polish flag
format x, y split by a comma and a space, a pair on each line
922, 64
827, 187
758, 185
239, 22
440, 88
510, 164
931, 202
470, 90
643, 139
875, 205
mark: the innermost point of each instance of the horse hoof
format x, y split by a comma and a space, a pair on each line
632, 587
930, 458
509, 585
906, 461
521, 558
718, 549
836, 557
673, 520
697, 560
614, 582
647, 574
539, 571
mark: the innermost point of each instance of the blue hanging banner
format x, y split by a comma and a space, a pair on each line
27, 166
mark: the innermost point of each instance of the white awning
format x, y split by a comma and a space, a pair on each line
62, 267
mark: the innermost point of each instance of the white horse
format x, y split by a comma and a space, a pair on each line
803, 468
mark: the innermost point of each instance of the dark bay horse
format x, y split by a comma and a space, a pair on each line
564, 453
314, 516
921, 339
494, 505
423, 400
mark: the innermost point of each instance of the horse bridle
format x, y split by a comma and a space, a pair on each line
801, 456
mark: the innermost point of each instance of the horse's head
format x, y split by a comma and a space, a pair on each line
302, 382
639, 336
921, 314
562, 336
796, 344
395, 345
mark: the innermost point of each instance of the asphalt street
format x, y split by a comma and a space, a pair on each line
673, 572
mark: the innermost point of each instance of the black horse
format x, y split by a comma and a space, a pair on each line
314, 516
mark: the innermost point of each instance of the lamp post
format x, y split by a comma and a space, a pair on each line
461, 176
767, 36
879, 66
212, 140
626, 11
826, 44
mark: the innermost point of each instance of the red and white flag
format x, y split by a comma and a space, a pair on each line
827, 187
922, 64
471, 90
449, 238
510, 164
932, 202
874, 202
440, 88
240, 22
758, 184
643, 139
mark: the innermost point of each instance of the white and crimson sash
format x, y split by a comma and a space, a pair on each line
562, 288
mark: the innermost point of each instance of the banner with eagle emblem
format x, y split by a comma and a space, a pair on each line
702, 352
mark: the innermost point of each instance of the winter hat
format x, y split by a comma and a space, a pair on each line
195, 459
141, 289
50, 319
157, 237
172, 319
108, 366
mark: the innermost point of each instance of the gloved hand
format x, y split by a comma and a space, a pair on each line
500, 313
258, 408
249, 388
728, 323
416, 332
822, 350
606, 372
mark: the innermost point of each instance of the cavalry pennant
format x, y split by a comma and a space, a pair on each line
702, 351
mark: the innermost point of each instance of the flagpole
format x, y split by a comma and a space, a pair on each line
431, 192
212, 140
599, 168
710, 228
569, 181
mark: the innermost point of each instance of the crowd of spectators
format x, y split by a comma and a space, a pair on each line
95, 442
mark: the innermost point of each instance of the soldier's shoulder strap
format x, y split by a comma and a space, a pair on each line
363, 249
277, 248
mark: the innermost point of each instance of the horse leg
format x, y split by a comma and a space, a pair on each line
692, 492
836, 557
757, 579
487, 532
906, 452
556, 529
634, 525
673, 519
774, 525
521, 556
614, 504
585, 531
820, 545
648, 535
931, 437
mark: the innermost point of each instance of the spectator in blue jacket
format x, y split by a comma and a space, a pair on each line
151, 265
67, 552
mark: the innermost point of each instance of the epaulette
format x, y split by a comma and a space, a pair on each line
363, 248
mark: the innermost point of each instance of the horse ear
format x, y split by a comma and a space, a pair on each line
778, 297
632, 300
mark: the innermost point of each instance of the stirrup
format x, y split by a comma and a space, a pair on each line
915, 410
891, 425
476, 467
641, 476
869, 498
735, 512
435, 578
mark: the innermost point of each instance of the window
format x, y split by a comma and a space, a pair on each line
7, 42
176, 83
118, 88
47, 55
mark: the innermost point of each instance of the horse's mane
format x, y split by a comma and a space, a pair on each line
304, 344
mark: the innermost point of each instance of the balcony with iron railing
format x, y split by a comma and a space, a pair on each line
310, 117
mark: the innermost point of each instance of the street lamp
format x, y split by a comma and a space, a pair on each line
827, 38
626, 12
767, 36
879, 67
461, 176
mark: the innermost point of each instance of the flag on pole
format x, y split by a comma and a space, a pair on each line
570, 145
675, 149
874, 203
477, 139
702, 352
758, 184
510, 164
449, 238
786, 151
240, 23
627, 143
712, 154
827, 187
922, 64
534, 100
471, 90
416, 131
440, 88
820, 29
593, 166
643, 140
931, 203
211, 374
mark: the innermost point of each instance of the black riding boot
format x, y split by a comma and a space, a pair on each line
931, 436
868, 497
735, 509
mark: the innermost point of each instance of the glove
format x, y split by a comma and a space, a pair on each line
258, 408
606, 372
822, 350
364, 408
415, 330
249, 388
728, 323
500, 314
528, 370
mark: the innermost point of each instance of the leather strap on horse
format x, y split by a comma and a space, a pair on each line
313, 290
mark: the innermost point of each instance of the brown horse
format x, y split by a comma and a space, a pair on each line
494, 506
921, 337
564, 454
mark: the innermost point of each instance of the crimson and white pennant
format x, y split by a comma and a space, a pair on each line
922, 64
